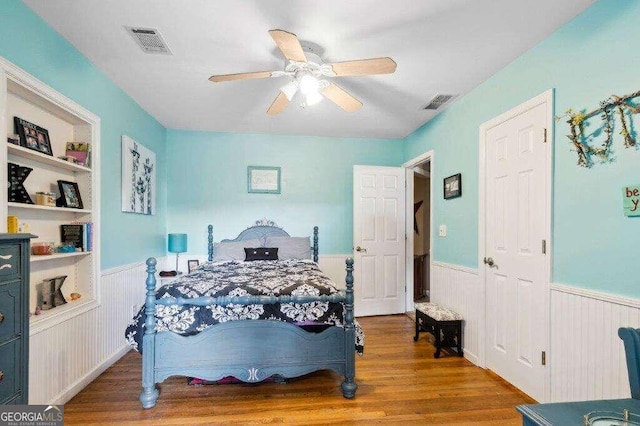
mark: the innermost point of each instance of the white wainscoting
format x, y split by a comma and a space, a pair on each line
459, 288
333, 265
587, 356
65, 358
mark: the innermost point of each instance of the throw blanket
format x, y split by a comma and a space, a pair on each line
234, 278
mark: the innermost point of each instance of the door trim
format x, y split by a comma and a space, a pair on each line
545, 98
429, 155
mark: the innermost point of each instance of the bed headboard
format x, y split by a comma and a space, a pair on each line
261, 229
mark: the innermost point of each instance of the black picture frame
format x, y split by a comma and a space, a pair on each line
69, 195
452, 186
33, 136
192, 264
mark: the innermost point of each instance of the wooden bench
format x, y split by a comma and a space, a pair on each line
443, 323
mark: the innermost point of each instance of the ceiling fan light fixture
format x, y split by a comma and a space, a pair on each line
289, 90
313, 98
309, 84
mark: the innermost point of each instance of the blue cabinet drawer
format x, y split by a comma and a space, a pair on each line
10, 261
10, 310
10, 368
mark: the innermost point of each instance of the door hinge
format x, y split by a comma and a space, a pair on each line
544, 246
544, 358
545, 136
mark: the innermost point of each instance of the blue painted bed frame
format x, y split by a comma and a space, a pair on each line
250, 350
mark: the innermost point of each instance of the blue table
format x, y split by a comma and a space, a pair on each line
572, 413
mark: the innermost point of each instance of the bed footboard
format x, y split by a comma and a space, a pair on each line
248, 350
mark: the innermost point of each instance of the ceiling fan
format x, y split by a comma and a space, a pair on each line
309, 72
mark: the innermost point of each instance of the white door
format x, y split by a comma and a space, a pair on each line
515, 261
379, 239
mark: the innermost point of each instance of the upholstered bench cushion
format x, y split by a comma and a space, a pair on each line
438, 313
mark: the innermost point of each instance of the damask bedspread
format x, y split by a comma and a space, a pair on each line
239, 278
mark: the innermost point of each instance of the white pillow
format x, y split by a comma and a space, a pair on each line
290, 247
233, 250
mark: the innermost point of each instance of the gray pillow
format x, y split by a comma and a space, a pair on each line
290, 247
233, 250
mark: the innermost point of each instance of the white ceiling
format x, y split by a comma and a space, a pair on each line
440, 46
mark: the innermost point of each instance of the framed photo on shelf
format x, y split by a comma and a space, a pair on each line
263, 180
32, 136
192, 265
453, 186
69, 195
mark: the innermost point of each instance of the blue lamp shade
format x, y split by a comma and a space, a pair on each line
177, 243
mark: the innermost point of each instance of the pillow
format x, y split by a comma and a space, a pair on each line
232, 250
261, 253
291, 247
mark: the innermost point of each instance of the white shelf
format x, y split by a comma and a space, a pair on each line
39, 207
51, 317
30, 154
40, 258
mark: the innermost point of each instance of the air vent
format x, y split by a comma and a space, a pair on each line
438, 101
149, 40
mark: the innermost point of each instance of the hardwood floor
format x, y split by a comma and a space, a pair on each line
399, 383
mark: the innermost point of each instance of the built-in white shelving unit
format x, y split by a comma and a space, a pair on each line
24, 96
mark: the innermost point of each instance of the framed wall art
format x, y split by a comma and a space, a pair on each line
263, 180
138, 178
453, 186
192, 265
32, 136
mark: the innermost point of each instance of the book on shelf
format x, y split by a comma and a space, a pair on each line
78, 234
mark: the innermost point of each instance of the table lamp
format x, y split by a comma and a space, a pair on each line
177, 244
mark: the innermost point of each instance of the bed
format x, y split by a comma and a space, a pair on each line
240, 343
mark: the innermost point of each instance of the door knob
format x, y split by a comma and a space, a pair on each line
361, 249
489, 261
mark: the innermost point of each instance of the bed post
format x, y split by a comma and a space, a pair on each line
210, 242
315, 244
149, 393
349, 386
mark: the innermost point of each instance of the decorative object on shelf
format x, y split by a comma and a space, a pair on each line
17, 175
177, 243
75, 296
51, 292
12, 224
453, 186
38, 311
192, 264
13, 139
138, 178
263, 180
631, 200
46, 199
66, 248
80, 151
41, 249
69, 195
68, 159
78, 235
33, 136
578, 121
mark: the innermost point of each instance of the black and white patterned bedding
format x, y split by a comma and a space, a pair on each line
235, 278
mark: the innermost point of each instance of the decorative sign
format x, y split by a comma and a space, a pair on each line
138, 178
631, 200
264, 180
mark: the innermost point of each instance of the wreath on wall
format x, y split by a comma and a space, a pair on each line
620, 106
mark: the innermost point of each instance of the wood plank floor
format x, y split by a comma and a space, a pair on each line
399, 383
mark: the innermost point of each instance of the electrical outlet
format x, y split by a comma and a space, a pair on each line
442, 230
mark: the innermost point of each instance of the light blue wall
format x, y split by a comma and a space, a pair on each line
207, 183
27, 41
587, 60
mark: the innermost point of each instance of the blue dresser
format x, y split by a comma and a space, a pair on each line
14, 318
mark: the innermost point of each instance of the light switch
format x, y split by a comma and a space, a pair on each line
442, 230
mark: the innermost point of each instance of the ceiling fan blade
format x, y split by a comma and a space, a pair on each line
365, 67
279, 104
289, 45
341, 98
241, 76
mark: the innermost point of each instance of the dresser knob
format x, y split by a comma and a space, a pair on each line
1, 376
1, 317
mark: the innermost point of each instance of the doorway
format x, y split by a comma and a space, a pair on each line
419, 241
